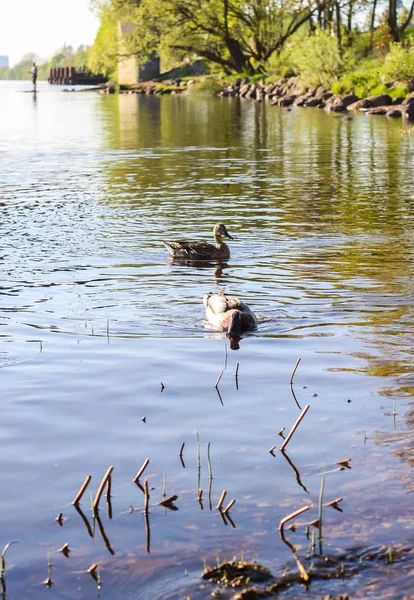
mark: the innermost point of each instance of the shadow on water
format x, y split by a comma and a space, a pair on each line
105, 358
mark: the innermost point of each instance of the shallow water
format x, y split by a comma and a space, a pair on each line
94, 317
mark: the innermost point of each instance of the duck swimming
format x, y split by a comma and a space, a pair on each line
229, 314
202, 250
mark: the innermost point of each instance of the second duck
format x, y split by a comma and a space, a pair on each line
202, 250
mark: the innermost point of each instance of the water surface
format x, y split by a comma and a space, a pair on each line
94, 317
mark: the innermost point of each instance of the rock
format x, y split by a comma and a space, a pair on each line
190, 82
252, 91
371, 102
300, 100
397, 101
285, 101
244, 89
395, 113
349, 99
313, 101
409, 100
378, 110
335, 104
409, 111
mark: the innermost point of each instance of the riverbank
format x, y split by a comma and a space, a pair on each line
288, 92
284, 92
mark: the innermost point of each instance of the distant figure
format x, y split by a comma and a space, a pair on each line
33, 71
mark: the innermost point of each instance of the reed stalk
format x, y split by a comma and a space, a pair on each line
294, 371
210, 472
220, 502
218, 379
146, 497
198, 452
140, 472
295, 425
229, 505
101, 488
83, 487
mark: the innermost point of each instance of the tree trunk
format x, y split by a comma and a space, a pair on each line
392, 20
338, 27
374, 8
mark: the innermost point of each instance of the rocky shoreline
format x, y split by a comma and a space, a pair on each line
288, 92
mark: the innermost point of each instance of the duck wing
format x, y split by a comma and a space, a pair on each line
193, 250
220, 304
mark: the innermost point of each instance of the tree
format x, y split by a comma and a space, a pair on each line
238, 35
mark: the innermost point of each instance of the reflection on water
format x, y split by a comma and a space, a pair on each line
94, 315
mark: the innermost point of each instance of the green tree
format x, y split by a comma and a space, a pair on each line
238, 35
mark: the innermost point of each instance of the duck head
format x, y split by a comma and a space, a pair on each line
220, 231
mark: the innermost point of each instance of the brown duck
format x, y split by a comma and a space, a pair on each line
202, 250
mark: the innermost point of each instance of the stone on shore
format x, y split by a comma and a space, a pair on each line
371, 102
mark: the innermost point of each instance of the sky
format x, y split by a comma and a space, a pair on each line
43, 26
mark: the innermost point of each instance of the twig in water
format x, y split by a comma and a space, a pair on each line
280, 432
294, 371
220, 502
293, 515
140, 472
101, 488
182, 449
162, 386
200, 498
48, 581
210, 472
237, 370
344, 463
320, 512
228, 507
292, 431
168, 502
198, 451
65, 550
146, 497
59, 519
219, 377
271, 449
334, 503
3, 566
82, 490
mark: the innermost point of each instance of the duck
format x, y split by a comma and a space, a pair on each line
229, 314
202, 250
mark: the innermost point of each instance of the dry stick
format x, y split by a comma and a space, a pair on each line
237, 370
293, 515
292, 431
332, 502
168, 501
271, 449
228, 507
140, 472
82, 490
219, 377
200, 495
146, 498
220, 502
294, 370
182, 449
101, 488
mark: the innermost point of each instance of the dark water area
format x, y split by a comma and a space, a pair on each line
94, 316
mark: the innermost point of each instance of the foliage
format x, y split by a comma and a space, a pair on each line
399, 63
103, 56
238, 35
314, 57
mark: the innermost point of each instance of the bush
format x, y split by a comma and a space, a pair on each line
315, 58
399, 63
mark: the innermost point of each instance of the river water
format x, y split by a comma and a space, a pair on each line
94, 316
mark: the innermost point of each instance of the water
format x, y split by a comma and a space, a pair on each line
94, 317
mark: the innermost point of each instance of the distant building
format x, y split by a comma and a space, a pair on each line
4, 62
